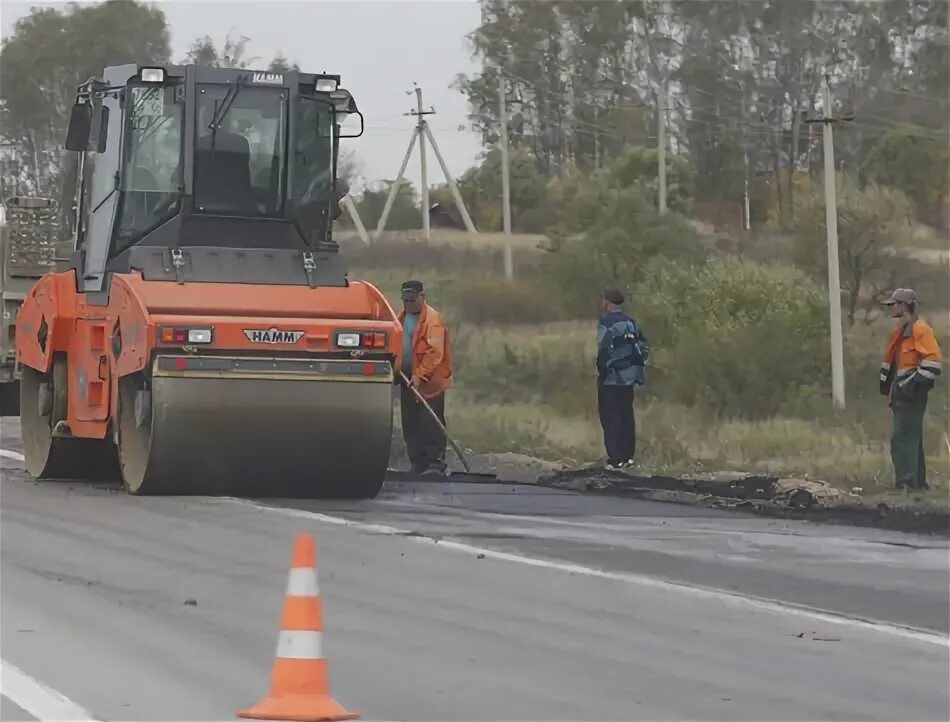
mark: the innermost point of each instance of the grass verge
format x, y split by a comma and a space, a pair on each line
529, 388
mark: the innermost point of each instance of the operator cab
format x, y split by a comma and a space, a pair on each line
208, 174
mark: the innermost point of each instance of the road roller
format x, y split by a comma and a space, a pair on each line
202, 335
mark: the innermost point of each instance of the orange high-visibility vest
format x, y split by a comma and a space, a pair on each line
912, 357
431, 352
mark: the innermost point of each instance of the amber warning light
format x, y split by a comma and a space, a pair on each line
366, 339
170, 334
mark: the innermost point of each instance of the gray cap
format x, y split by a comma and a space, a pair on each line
902, 295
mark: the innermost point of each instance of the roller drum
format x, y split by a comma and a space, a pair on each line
249, 432
50, 451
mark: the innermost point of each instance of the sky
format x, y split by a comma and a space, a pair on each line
379, 47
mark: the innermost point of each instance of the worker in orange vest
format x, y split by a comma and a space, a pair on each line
427, 363
910, 369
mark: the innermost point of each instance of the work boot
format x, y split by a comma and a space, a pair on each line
436, 468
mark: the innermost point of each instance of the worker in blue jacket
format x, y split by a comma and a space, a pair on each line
622, 353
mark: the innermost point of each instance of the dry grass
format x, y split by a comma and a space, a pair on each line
530, 389
925, 245
446, 237
675, 439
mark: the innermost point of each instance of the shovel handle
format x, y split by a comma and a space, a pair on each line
421, 399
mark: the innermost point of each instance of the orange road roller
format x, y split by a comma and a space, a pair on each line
205, 337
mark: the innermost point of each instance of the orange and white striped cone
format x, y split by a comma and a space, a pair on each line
300, 687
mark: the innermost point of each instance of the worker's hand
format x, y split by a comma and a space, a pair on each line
415, 382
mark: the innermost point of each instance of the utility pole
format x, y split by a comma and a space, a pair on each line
827, 119
596, 138
420, 132
661, 142
746, 209
354, 214
420, 115
505, 171
746, 206
663, 103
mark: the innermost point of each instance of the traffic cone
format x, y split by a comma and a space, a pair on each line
299, 687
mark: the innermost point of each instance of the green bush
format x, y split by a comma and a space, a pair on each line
619, 249
745, 372
529, 365
498, 301
736, 339
744, 337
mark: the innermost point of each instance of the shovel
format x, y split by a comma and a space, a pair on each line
468, 474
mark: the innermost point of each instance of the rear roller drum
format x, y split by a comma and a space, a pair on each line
49, 450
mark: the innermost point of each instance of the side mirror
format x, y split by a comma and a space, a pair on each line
80, 127
345, 112
347, 124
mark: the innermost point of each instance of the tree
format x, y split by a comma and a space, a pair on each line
481, 190
583, 81
911, 161
403, 215
348, 167
280, 64
50, 53
873, 222
232, 55
625, 234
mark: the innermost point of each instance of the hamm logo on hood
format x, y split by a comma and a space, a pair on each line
272, 335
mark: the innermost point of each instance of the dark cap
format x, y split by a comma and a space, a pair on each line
411, 289
614, 296
902, 295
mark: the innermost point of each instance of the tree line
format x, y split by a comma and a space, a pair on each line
584, 82
585, 79
51, 51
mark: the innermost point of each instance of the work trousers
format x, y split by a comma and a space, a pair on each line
615, 404
907, 438
425, 442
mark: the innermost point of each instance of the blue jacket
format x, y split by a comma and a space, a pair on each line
622, 350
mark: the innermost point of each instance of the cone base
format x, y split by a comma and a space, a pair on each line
299, 708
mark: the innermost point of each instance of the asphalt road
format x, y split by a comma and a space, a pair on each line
534, 606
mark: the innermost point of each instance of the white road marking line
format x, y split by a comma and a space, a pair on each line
15, 455
730, 598
44, 703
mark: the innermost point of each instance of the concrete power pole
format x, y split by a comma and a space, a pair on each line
420, 115
746, 206
505, 169
663, 105
420, 132
827, 119
661, 142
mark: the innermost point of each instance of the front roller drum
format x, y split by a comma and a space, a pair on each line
227, 436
